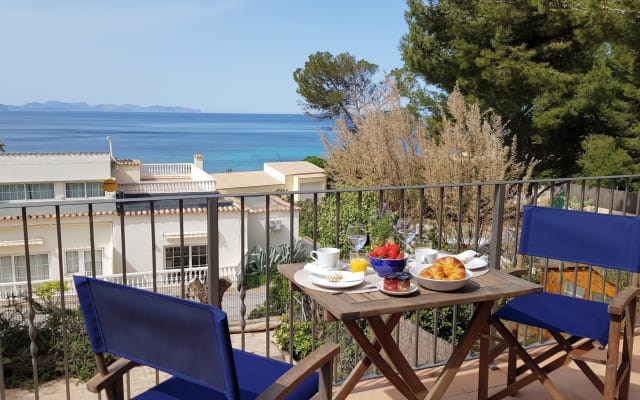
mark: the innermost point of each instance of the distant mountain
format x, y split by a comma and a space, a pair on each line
62, 106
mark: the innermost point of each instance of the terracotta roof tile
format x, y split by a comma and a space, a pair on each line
172, 211
128, 162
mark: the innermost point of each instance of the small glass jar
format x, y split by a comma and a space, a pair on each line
391, 283
404, 282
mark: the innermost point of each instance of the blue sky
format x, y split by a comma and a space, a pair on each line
215, 55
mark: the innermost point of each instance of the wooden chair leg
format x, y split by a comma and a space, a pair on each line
512, 358
627, 350
115, 391
611, 368
325, 384
538, 372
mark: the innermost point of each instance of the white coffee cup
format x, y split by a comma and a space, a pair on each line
326, 257
426, 256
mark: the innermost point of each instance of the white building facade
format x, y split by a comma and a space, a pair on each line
73, 180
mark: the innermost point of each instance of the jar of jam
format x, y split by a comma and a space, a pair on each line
390, 283
404, 282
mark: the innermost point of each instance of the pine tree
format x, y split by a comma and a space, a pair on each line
557, 71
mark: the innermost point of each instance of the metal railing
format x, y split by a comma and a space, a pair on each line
483, 216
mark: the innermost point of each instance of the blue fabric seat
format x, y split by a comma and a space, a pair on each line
558, 313
189, 341
601, 240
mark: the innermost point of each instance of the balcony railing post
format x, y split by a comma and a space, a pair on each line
495, 248
33, 331
213, 254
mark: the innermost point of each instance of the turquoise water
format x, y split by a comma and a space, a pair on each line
240, 142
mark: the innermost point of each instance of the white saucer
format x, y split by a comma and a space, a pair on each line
350, 279
412, 289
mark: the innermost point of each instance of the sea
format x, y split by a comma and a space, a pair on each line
229, 142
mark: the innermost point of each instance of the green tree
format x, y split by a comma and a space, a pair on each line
334, 86
556, 71
603, 156
315, 160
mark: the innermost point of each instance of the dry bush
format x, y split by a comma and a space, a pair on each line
384, 151
470, 148
392, 148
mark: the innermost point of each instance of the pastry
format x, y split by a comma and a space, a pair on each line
445, 268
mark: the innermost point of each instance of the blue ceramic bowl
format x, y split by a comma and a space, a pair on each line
384, 266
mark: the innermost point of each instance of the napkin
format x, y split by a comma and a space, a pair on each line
318, 270
466, 256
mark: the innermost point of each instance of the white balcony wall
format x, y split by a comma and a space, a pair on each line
128, 174
198, 174
154, 171
58, 167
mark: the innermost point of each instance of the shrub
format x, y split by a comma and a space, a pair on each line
302, 345
50, 320
278, 285
379, 223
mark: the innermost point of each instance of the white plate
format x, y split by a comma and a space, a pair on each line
314, 268
412, 289
350, 279
476, 263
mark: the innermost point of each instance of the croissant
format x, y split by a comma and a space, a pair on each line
445, 268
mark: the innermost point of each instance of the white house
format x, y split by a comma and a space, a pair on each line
72, 180
290, 176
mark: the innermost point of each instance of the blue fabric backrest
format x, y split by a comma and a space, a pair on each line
610, 241
183, 338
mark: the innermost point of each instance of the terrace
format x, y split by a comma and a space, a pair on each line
481, 216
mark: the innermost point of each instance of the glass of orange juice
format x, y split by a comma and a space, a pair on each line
358, 261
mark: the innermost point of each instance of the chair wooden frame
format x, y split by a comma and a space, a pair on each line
111, 378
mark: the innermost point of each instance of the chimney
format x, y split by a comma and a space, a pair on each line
198, 160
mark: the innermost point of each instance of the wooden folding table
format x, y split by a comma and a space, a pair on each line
483, 291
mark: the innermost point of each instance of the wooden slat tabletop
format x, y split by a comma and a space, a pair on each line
491, 286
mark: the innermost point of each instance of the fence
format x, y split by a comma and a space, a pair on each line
481, 216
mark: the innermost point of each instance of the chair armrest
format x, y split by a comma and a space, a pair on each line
622, 300
116, 371
321, 357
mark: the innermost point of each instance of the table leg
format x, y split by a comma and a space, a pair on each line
483, 363
358, 371
372, 355
383, 334
479, 322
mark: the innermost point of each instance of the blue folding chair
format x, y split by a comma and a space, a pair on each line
191, 342
607, 241
601, 240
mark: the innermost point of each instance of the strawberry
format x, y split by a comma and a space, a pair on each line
394, 250
400, 256
382, 251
